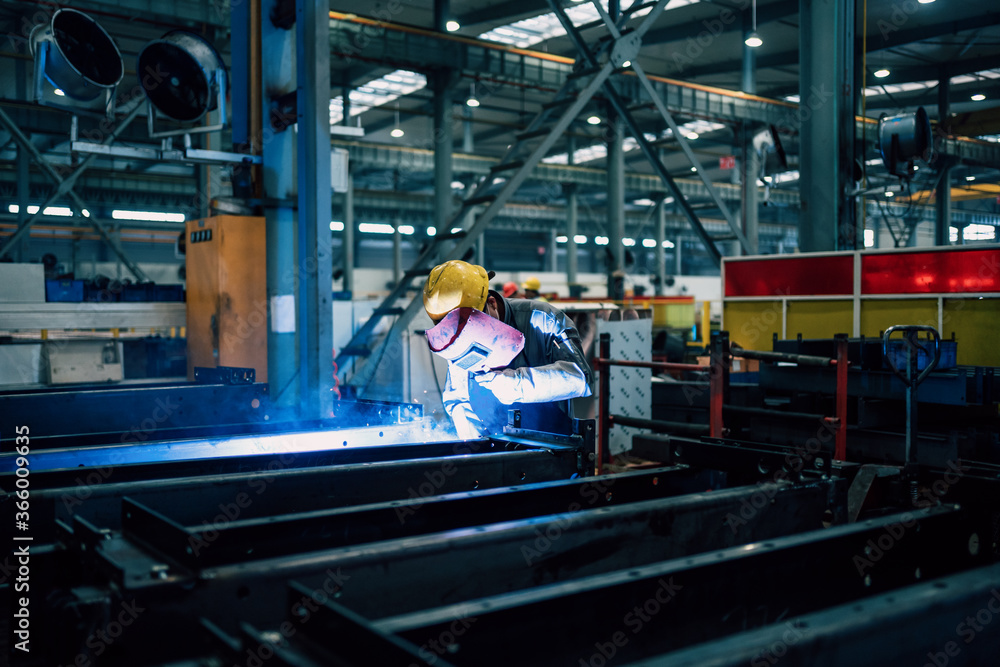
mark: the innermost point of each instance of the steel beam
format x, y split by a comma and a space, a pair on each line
927, 623
703, 597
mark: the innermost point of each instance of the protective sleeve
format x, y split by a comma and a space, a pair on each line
553, 382
455, 398
567, 373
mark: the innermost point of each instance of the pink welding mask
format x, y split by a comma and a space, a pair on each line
474, 341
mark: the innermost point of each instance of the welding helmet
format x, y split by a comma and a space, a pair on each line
474, 341
532, 283
455, 284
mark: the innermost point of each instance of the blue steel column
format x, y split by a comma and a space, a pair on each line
942, 219
315, 263
572, 219
278, 170
239, 20
826, 90
751, 164
616, 201
444, 145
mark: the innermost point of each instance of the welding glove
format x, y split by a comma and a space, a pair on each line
553, 382
467, 424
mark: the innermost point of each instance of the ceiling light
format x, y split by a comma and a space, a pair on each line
336, 226
627, 63
561, 239
629, 242
649, 243
59, 92
594, 120
452, 26
890, 193
692, 135
753, 40
431, 231
978, 97
925, 2
881, 73
601, 240
694, 168
579, 238
472, 101
970, 178
397, 131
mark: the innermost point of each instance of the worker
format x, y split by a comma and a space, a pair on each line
532, 289
510, 289
543, 369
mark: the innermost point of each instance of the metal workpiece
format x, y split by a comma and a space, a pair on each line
281, 485
888, 629
701, 598
201, 545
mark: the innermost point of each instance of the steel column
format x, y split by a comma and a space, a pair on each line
616, 203
278, 174
444, 145
826, 86
315, 264
23, 195
751, 163
347, 248
572, 218
942, 210
661, 252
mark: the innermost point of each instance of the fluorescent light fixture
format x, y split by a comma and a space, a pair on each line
869, 238
753, 40
668, 244
147, 216
649, 243
970, 178
457, 185
397, 132
627, 63
580, 238
375, 228
692, 135
55, 211
432, 231
336, 226
453, 26
890, 193
58, 92
405, 230
456, 230
472, 102
561, 239
881, 73
601, 240
644, 201
925, 2
978, 97
86, 213
594, 120
628, 242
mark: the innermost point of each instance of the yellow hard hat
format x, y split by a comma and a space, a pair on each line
455, 284
532, 283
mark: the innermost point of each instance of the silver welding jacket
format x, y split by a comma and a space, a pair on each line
555, 372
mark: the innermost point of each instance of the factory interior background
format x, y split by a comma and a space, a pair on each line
761, 235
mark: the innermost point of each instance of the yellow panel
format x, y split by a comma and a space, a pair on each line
819, 319
975, 323
752, 324
877, 315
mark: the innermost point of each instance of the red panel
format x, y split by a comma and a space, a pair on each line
950, 271
792, 276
